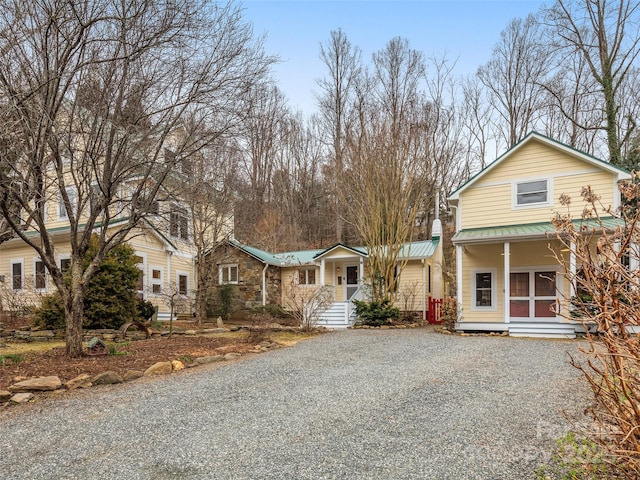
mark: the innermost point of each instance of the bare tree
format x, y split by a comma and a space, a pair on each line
93, 97
384, 172
605, 35
208, 192
306, 304
513, 78
343, 62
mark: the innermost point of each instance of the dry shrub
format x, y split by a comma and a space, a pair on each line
260, 329
607, 295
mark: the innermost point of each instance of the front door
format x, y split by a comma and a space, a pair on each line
352, 280
532, 295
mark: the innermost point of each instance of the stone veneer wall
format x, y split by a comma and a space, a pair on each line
248, 292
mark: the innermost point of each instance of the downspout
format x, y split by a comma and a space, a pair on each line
264, 284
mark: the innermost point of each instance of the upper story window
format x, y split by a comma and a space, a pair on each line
179, 223
532, 193
62, 210
307, 276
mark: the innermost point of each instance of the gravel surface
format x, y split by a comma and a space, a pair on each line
362, 404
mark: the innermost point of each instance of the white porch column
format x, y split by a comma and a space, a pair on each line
361, 272
507, 282
459, 275
572, 269
322, 265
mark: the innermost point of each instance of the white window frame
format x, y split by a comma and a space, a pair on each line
180, 212
494, 289
61, 258
514, 193
156, 281
183, 274
306, 276
228, 267
72, 193
35, 275
143, 268
17, 261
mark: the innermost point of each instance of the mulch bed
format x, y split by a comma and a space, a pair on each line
134, 355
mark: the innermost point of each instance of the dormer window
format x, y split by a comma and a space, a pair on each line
532, 193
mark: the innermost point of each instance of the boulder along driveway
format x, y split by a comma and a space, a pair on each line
362, 404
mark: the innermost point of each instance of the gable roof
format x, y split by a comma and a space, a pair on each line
619, 173
410, 251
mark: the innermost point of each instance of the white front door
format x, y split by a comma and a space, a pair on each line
351, 281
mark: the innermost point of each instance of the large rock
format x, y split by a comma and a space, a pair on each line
132, 375
159, 368
209, 359
232, 356
42, 334
5, 395
22, 397
39, 384
107, 378
81, 381
177, 365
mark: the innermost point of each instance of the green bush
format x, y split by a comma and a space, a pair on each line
376, 314
111, 299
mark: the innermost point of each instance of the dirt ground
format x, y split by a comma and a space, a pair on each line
42, 360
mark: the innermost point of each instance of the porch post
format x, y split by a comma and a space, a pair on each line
361, 273
572, 269
459, 275
507, 283
322, 265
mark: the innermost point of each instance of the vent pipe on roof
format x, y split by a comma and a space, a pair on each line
436, 228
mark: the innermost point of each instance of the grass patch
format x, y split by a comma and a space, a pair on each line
29, 348
576, 459
14, 358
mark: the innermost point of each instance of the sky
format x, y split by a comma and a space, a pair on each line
465, 30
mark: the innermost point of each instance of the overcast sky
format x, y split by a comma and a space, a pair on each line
466, 30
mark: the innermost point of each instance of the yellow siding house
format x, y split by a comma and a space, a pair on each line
507, 276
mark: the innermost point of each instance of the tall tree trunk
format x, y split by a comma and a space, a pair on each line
74, 312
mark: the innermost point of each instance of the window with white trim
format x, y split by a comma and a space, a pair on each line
307, 276
183, 283
140, 260
65, 263
228, 273
62, 210
179, 223
40, 275
156, 280
17, 274
483, 289
532, 192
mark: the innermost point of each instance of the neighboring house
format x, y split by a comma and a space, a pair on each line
508, 279
161, 242
266, 278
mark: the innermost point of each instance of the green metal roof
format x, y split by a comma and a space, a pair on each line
414, 250
524, 231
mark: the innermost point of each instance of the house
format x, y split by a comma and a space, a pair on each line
265, 278
507, 277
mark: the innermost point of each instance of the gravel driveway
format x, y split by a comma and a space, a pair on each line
362, 404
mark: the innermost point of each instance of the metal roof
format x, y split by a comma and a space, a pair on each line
524, 231
414, 250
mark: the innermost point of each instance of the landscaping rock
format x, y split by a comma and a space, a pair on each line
81, 381
132, 375
22, 397
177, 365
39, 384
5, 395
190, 332
107, 378
214, 330
209, 359
159, 368
42, 335
232, 356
